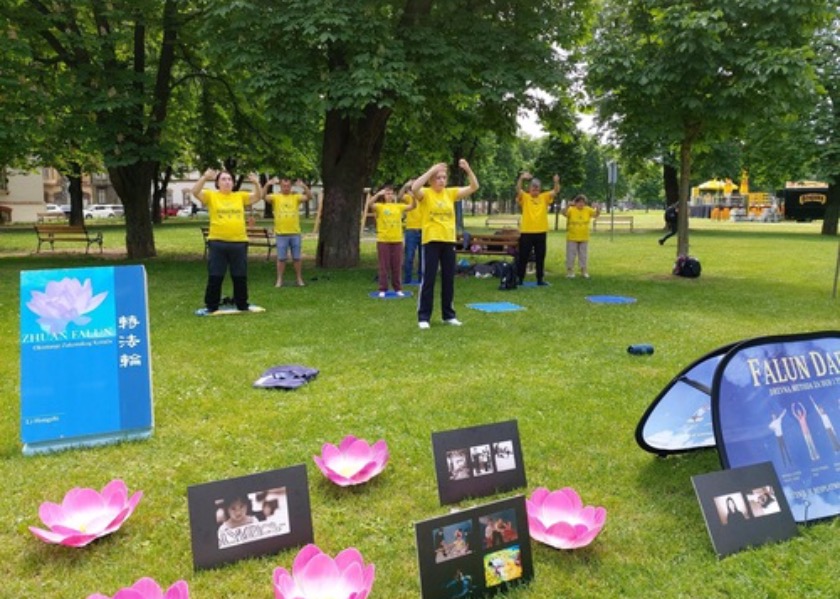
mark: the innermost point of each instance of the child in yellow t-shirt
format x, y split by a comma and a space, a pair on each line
389, 235
578, 216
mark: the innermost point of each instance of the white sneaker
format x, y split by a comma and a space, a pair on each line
400, 293
454, 322
586, 275
571, 275
423, 324
381, 294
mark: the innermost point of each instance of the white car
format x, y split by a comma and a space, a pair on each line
103, 211
53, 209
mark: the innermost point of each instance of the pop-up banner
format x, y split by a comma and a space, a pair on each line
85, 370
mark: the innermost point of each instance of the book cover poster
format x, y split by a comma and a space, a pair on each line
777, 399
250, 516
478, 461
476, 552
84, 357
744, 507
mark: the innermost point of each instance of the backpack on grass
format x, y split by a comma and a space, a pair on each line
507, 276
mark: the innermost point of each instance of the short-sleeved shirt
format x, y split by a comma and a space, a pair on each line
286, 208
577, 222
227, 214
438, 212
413, 219
389, 228
534, 211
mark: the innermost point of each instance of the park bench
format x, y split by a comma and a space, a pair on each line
504, 221
49, 216
501, 243
257, 237
608, 220
52, 233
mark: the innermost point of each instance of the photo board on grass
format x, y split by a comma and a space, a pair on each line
744, 507
478, 461
85, 358
475, 552
777, 399
250, 516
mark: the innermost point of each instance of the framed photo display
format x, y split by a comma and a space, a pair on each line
476, 552
478, 461
250, 516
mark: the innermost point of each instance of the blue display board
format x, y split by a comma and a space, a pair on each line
776, 399
85, 375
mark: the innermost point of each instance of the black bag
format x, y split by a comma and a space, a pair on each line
508, 277
686, 266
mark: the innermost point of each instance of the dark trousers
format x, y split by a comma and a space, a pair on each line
390, 264
672, 230
221, 256
528, 242
433, 254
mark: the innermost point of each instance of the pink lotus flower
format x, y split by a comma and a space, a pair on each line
559, 519
315, 575
63, 302
353, 462
86, 514
146, 588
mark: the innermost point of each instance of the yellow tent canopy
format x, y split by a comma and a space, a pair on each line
712, 185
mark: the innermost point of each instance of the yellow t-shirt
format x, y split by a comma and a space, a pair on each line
438, 212
534, 211
389, 221
413, 219
286, 208
227, 214
577, 222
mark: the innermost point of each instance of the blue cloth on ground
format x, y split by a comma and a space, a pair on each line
611, 299
496, 307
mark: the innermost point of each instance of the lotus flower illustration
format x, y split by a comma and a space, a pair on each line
353, 462
86, 514
63, 302
559, 519
147, 588
315, 575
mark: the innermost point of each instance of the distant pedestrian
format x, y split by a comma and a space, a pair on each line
671, 221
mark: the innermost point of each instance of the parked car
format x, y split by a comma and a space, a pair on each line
103, 211
65, 208
53, 209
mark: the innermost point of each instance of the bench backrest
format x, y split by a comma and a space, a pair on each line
53, 229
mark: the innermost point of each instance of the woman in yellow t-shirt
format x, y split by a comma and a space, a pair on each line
533, 230
389, 235
437, 205
227, 242
578, 216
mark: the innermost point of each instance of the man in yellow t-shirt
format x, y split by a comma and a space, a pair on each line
578, 216
413, 239
389, 235
227, 241
533, 229
437, 205
286, 208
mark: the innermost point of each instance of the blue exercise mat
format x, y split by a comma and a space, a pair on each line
534, 284
496, 307
390, 295
229, 310
611, 299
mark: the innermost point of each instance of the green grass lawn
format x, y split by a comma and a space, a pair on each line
560, 368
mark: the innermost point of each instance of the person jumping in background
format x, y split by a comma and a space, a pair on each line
671, 221
534, 204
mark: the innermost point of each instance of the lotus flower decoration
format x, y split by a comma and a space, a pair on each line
147, 588
315, 575
86, 514
559, 518
63, 302
353, 462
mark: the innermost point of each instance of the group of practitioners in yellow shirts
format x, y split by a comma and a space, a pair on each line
426, 205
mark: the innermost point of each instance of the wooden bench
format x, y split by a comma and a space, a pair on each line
257, 237
607, 221
503, 243
52, 233
47, 216
505, 221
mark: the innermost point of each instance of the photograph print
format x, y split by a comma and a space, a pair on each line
478, 461
250, 516
499, 528
452, 541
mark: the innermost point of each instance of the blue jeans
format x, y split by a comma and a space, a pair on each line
412, 248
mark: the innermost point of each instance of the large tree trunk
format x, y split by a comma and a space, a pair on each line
685, 190
672, 183
74, 178
351, 152
832, 208
133, 183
